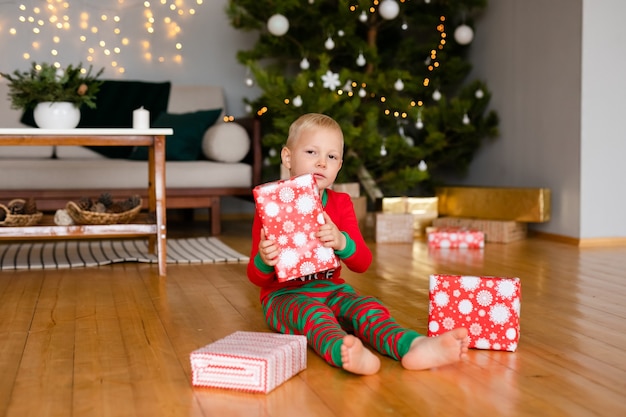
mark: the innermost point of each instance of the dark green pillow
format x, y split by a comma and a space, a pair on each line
186, 142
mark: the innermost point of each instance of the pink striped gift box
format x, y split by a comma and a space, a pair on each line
249, 361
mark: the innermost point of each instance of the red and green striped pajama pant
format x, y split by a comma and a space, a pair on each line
325, 312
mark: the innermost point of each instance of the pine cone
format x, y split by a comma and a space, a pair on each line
106, 199
99, 208
30, 207
16, 206
84, 203
135, 200
116, 208
3, 214
131, 202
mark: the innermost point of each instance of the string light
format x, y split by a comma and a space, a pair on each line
100, 30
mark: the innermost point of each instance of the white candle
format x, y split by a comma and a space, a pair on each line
141, 118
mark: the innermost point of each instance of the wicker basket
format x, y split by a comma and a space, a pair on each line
91, 217
16, 220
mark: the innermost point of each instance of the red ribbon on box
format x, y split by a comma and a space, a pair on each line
488, 307
291, 212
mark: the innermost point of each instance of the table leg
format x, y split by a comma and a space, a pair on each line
157, 198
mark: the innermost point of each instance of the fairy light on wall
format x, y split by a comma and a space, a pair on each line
102, 28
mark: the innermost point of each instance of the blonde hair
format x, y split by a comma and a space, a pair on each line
310, 121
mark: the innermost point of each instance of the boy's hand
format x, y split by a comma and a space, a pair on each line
268, 250
330, 235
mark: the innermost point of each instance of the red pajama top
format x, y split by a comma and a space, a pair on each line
356, 255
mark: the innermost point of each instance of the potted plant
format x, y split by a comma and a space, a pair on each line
54, 94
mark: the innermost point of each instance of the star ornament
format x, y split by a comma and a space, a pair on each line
331, 80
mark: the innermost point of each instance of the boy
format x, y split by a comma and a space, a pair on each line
334, 318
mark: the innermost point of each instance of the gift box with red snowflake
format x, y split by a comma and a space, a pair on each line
249, 361
455, 238
489, 307
291, 212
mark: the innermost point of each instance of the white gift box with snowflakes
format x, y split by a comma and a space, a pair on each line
488, 307
291, 213
249, 361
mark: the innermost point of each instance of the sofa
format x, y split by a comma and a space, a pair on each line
207, 158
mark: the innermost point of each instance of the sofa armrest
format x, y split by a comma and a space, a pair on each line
255, 155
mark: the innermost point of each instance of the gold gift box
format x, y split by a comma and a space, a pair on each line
492, 203
423, 209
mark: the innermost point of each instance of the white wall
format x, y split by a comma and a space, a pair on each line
556, 84
603, 132
529, 54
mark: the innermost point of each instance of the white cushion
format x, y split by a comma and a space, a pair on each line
26, 152
226, 142
113, 174
77, 152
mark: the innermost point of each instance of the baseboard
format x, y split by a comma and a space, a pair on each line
582, 243
602, 242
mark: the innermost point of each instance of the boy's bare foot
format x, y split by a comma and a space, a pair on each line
430, 352
356, 358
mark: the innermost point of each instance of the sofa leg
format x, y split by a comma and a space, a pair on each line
216, 226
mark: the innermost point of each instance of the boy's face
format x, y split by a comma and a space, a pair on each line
316, 151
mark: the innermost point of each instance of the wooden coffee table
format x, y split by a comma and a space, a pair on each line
152, 225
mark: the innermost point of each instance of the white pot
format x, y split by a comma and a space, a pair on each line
56, 115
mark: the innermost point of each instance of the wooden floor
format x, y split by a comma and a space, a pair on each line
115, 340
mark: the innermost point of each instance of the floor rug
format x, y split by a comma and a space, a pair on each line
57, 254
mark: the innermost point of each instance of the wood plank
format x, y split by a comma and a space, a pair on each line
115, 340
19, 294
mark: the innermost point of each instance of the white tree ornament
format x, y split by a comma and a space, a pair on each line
304, 64
329, 44
389, 9
360, 60
278, 25
330, 80
463, 34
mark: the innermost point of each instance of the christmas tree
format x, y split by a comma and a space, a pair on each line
393, 73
